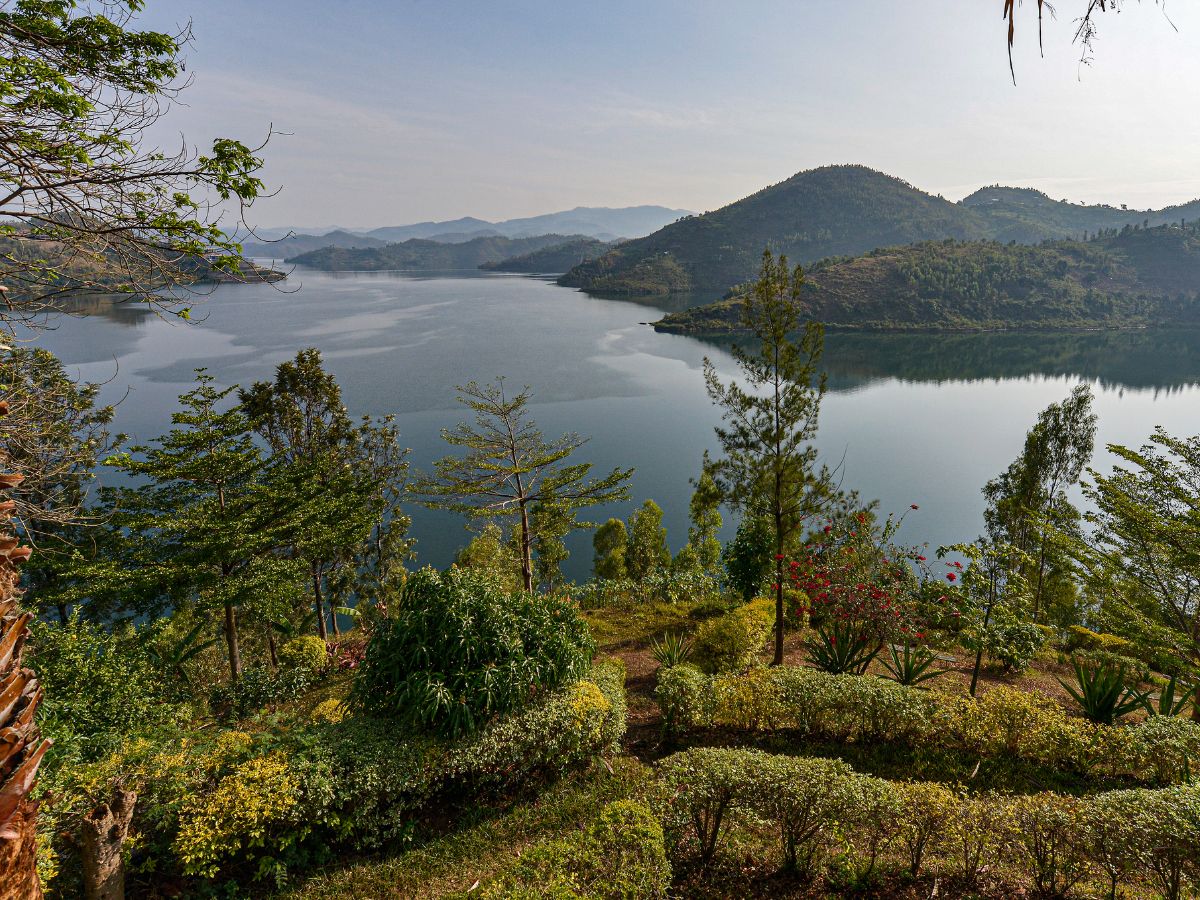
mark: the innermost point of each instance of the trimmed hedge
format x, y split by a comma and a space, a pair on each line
258, 805
730, 642
620, 856
864, 709
1133, 837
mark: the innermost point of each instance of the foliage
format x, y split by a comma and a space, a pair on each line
619, 856
101, 688
747, 557
646, 551
258, 687
87, 204
911, 665
730, 642
1102, 694
459, 650
308, 653
489, 552
1170, 703
704, 515
768, 468
674, 649
263, 804
1012, 644
509, 469
1027, 504
610, 541
841, 648
1140, 560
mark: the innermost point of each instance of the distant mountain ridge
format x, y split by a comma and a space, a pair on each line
836, 211
418, 254
303, 243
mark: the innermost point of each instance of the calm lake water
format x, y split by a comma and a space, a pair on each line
923, 419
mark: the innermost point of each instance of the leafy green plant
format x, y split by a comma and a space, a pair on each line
841, 649
1168, 704
912, 665
459, 651
673, 649
1102, 694
729, 643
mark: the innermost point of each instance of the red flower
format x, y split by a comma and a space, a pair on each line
920, 559
828, 528
914, 506
950, 576
779, 556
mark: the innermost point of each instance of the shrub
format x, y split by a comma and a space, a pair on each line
1010, 722
619, 856
1168, 747
1102, 694
696, 791
258, 687
927, 812
1013, 645
461, 651
1080, 638
100, 688
798, 794
685, 696
308, 653
729, 643
1048, 829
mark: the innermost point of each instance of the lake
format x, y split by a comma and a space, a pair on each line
923, 419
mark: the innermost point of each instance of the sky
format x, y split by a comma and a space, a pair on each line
395, 112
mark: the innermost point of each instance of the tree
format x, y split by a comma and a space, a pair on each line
1142, 558
85, 203
509, 468
490, 552
207, 526
301, 417
991, 591
54, 434
747, 557
646, 552
704, 513
609, 544
1027, 503
769, 468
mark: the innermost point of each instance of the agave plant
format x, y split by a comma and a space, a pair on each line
842, 648
912, 666
1168, 704
672, 650
1102, 694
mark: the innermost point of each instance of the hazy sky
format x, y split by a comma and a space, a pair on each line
432, 109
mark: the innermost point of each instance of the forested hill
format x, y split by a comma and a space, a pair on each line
836, 211
831, 211
1131, 278
428, 255
552, 260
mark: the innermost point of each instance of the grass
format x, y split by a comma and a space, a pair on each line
480, 847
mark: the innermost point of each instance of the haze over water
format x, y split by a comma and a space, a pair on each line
922, 418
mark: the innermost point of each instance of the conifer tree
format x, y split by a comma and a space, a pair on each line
646, 552
206, 527
769, 468
509, 468
704, 513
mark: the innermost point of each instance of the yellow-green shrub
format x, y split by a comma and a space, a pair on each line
620, 856
306, 652
729, 643
1010, 722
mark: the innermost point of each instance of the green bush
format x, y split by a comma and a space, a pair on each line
1003, 722
620, 856
258, 687
1013, 645
230, 804
307, 653
460, 651
100, 688
729, 643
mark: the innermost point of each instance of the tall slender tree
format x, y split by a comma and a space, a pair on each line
646, 552
769, 467
1027, 504
704, 515
509, 468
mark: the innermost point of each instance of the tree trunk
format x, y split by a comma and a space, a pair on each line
18, 855
104, 831
526, 551
272, 649
319, 604
231, 641
337, 630
778, 659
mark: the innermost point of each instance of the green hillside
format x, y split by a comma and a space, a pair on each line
838, 211
554, 259
429, 255
1130, 278
832, 211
